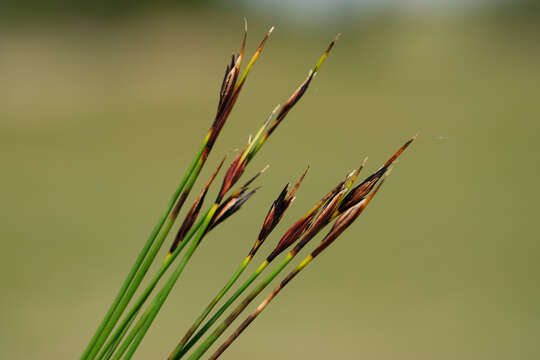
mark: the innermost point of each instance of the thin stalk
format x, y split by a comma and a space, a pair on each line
110, 349
226, 323
140, 258
185, 233
139, 330
133, 287
260, 308
120, 330
293, 99
180, 351
211, 305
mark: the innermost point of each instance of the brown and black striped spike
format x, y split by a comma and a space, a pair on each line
359, 192
194, 211
275, 213
278, 208
234, 201
231, 88
235, 170
305, 225
345, 220
320, 221
300, 91
230, 206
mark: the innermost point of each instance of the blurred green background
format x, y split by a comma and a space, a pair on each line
103, 105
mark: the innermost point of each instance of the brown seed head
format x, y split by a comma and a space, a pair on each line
359, 192
274, 214
324, 217
231, 205
193, 212
300, 91
344, 221
235, 170
231, 87
307, 226
290, 237
278, 208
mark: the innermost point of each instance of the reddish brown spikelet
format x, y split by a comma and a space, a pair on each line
293, 234
274, 214
357, 171
306, 224
235, 201
399, 152
278, 208
226, 103
288, 105
344, 221
227, 96
324, 217
253, 178
332, 43
235, 170
359, 192
297, 185
194, 211
300, 91
230, 206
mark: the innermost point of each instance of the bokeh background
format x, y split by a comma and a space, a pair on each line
102, 105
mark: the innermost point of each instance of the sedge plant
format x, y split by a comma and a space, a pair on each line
236, 169
122, 329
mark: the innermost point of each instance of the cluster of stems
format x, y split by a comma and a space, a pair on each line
120, 332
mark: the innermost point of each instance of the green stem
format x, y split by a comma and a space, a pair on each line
120, 330
180, 352
210, 306
234, 314
137, 333
144, 267
110, 349
140, 258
